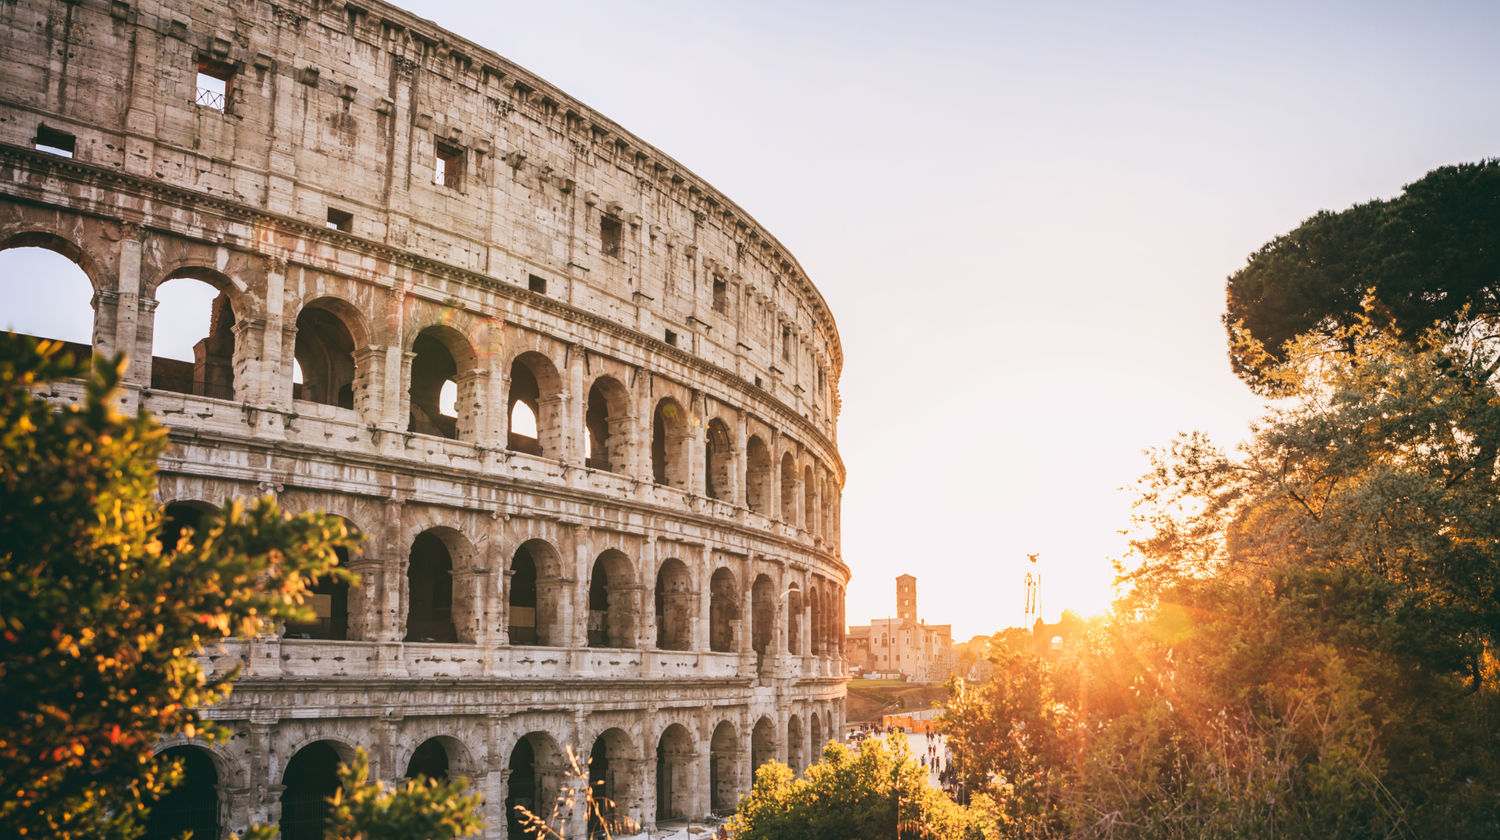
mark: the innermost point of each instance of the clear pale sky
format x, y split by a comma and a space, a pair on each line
1022, 217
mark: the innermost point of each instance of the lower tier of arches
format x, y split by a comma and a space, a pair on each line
583, 768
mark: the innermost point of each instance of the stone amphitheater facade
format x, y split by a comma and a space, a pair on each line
619, 533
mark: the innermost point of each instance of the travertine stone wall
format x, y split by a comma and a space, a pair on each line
653, 577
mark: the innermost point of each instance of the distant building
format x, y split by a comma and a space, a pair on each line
903, 644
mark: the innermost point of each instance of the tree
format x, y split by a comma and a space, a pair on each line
1308, 648
1426, 258
850, 795
101, 621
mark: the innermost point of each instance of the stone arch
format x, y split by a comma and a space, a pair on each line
329, 601
330, 334
535, 596
440, 757
429, 586
536, 389
179, 516
674, 787
67, 315
763, 614
310, 777
537, 768
195, 805
796, 757
612, 601
815, 729
671, 439
723, 769
793, 620
718, 461
788, 512
723, 610
216, 357
440, 356
612, 762
762, 742
50, 240
673, 602
608, 423
758, 475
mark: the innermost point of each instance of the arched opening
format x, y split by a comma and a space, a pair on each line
311, 777
191, 806
674, 753
670, 435
429, 581
535, 768
795, 750
611, 602
608, 425
757, 476
179, 518
723, 610
66, 312
535, 595
762, 743
723, 765
430, 761
192, 344
434, 386
809, 500
329, 602
673, 598
788, 512
763, 617
815, 727
718, 462
610, 785
324, 354
532, 406
793, 620
523, 409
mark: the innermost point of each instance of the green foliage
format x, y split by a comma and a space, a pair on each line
1426, 258
100, 621
433, 810
850, 795
1308, 648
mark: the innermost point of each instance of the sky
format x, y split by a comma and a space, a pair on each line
1022, 216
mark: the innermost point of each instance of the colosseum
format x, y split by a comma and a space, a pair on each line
581, 405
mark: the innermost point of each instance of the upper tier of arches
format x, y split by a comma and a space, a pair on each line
408, 146
308, 343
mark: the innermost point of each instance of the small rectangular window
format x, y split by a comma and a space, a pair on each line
339, 220
609, 236
448, 166
786, 344
537, 284
214, 85
671, 338
721, 295
51, 140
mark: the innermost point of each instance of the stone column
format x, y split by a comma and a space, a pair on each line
575, 442
472, 400
738, 483
364, 598
646, 626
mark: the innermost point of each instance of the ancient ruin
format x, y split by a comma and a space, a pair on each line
581, 404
